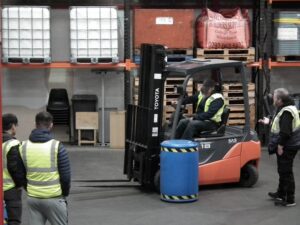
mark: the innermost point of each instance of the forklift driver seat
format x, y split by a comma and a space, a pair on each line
221, 130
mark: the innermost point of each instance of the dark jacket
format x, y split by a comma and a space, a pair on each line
43, 135
287, 138
200, 114
15, 165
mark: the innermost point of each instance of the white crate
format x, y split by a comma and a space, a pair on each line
25, 32
94, 33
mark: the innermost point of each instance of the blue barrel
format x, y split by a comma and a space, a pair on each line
179, 161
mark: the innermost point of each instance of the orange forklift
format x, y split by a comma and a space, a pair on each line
229, 155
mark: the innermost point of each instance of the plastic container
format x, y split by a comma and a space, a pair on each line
26, 33
179, 161
286, 33
94, 33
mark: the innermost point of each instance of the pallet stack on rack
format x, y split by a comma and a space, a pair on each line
233, 94
170, 96
247, 55
234, 99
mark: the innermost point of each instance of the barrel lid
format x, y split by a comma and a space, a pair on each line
179, 144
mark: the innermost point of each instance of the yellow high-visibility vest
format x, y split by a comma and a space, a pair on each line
217, 117
275, 128
40, 161
8, 182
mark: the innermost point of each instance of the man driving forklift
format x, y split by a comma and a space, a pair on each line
209, 109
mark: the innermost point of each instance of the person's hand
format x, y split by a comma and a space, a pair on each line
280, 150
264, 121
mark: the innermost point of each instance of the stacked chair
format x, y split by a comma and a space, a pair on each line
59, 107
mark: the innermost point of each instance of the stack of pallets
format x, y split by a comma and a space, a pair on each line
233, 94
234, 99
247, 55
170, 96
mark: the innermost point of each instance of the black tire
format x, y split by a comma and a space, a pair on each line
156, 181
249, 175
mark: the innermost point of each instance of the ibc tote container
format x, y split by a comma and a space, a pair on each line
286, 39
169, 27
26, 33
94, 33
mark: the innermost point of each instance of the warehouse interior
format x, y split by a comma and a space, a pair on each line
106, 88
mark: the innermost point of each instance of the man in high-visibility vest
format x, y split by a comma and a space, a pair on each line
284, 142
209, 109
47, 173
11, 187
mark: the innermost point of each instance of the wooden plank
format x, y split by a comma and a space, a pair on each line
117, 129
245, 58
237, 86
87, 120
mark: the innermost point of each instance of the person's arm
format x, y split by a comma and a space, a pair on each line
16, 167
213, 109
64, 170
286, 127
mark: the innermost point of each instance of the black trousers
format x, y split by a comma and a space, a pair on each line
187, 128
286, 187
13, 202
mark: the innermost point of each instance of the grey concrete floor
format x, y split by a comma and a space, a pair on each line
99, 196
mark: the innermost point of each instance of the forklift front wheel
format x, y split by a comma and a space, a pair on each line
249, 175
157, 181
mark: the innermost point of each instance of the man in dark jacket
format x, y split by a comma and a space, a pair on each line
284, 142
47, 173
11, 187
209, 109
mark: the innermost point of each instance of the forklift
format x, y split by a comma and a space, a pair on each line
229, 155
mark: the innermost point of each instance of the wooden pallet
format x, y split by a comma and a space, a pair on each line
226, 51
177, 81
238, 101
245, 58
172, 89
237, 115
236, 86
251, 94
288, 58
169, 110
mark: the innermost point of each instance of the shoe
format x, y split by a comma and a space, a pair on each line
275, 196
284, 203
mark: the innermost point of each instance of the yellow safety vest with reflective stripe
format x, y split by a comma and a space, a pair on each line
40, 161
8, 182
275, 129
217, 117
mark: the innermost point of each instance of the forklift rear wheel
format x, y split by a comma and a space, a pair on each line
249, 175
157, 181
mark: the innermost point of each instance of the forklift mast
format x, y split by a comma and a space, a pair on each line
144, 131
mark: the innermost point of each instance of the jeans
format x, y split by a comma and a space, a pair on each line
188, 129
